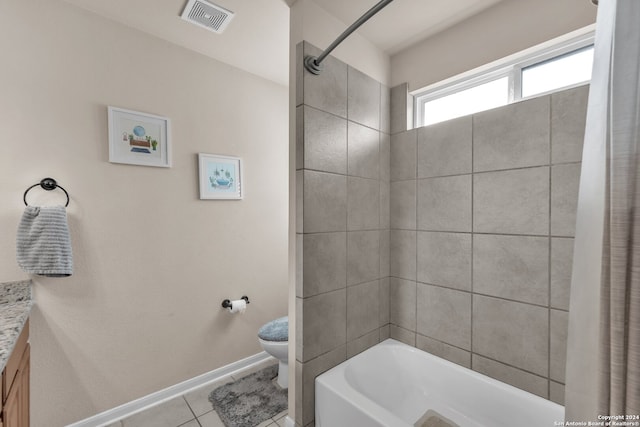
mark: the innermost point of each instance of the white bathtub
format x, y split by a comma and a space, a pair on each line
394, 385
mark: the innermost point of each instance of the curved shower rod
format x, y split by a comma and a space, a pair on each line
314, 64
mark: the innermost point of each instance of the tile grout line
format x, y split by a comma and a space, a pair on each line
490, 171
304, 229
346, 117
472, 241
481, 233
549, 254
346, 291
478, 294
415, 326
195, 417
484, 356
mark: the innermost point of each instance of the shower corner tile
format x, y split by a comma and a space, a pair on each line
444, 314
445, 148
558, 351
328, 90
385, 205
512, 267
324, 142
512, 202
385, 109
299, 137
299, 201
403, 200
360, 344
568, 121
324, 264
363, 151
307, 374
556, 392
402, 254
325, 202
384, 253
385, 157
403, 155
561, 264
514, 136
363, 302
363, 100
385, 332
565, 182
523, 380
299, 73
444, 259
403, 335
383, 313
443, 350
363, 204
403, 294
444, 203
324, 318
399, 106
499, 327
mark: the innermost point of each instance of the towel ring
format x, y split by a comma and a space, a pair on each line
47, 184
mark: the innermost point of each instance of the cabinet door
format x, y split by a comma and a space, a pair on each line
12, 407
16, 407
23, 391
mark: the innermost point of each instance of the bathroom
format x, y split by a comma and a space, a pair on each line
153, 262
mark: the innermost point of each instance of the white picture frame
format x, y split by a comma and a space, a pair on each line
220, 177
137, 138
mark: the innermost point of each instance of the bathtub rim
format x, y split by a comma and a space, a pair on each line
336, 376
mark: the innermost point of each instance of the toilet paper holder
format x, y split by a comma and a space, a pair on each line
228, 304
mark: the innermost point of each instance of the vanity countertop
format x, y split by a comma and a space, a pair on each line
15, 305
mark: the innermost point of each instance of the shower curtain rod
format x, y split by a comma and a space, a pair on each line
314, 64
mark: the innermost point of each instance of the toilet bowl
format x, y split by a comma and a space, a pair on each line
274, 339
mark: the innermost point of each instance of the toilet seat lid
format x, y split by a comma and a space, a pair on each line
276, 330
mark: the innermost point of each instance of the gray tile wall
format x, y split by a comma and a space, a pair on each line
482, 224
456, 238
343, 218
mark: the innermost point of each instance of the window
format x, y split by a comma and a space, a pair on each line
468, 101
555, 65
562, 71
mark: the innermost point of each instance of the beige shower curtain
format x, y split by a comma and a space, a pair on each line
603, 350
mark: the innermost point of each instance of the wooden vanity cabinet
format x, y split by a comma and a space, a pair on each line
15, 384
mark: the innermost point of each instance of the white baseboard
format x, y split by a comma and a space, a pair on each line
123, 411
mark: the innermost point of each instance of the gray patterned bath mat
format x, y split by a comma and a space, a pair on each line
250, 400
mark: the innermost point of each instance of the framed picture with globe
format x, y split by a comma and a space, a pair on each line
139, 138
220, 177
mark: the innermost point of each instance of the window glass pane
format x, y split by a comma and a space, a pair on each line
566, 70
478, 98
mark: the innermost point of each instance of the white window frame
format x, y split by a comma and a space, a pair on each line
510, 66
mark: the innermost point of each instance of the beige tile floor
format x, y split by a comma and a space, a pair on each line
193, 409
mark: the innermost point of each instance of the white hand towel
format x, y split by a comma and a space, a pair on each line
43, 245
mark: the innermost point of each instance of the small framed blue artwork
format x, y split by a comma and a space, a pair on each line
139, 138
220, 177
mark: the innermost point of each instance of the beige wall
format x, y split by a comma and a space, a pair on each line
504, 29
152, 262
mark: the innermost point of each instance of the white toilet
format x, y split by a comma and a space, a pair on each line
274, 339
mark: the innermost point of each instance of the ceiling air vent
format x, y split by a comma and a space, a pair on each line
207, 15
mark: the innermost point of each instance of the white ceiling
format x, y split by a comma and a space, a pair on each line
404, 22
257, 39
